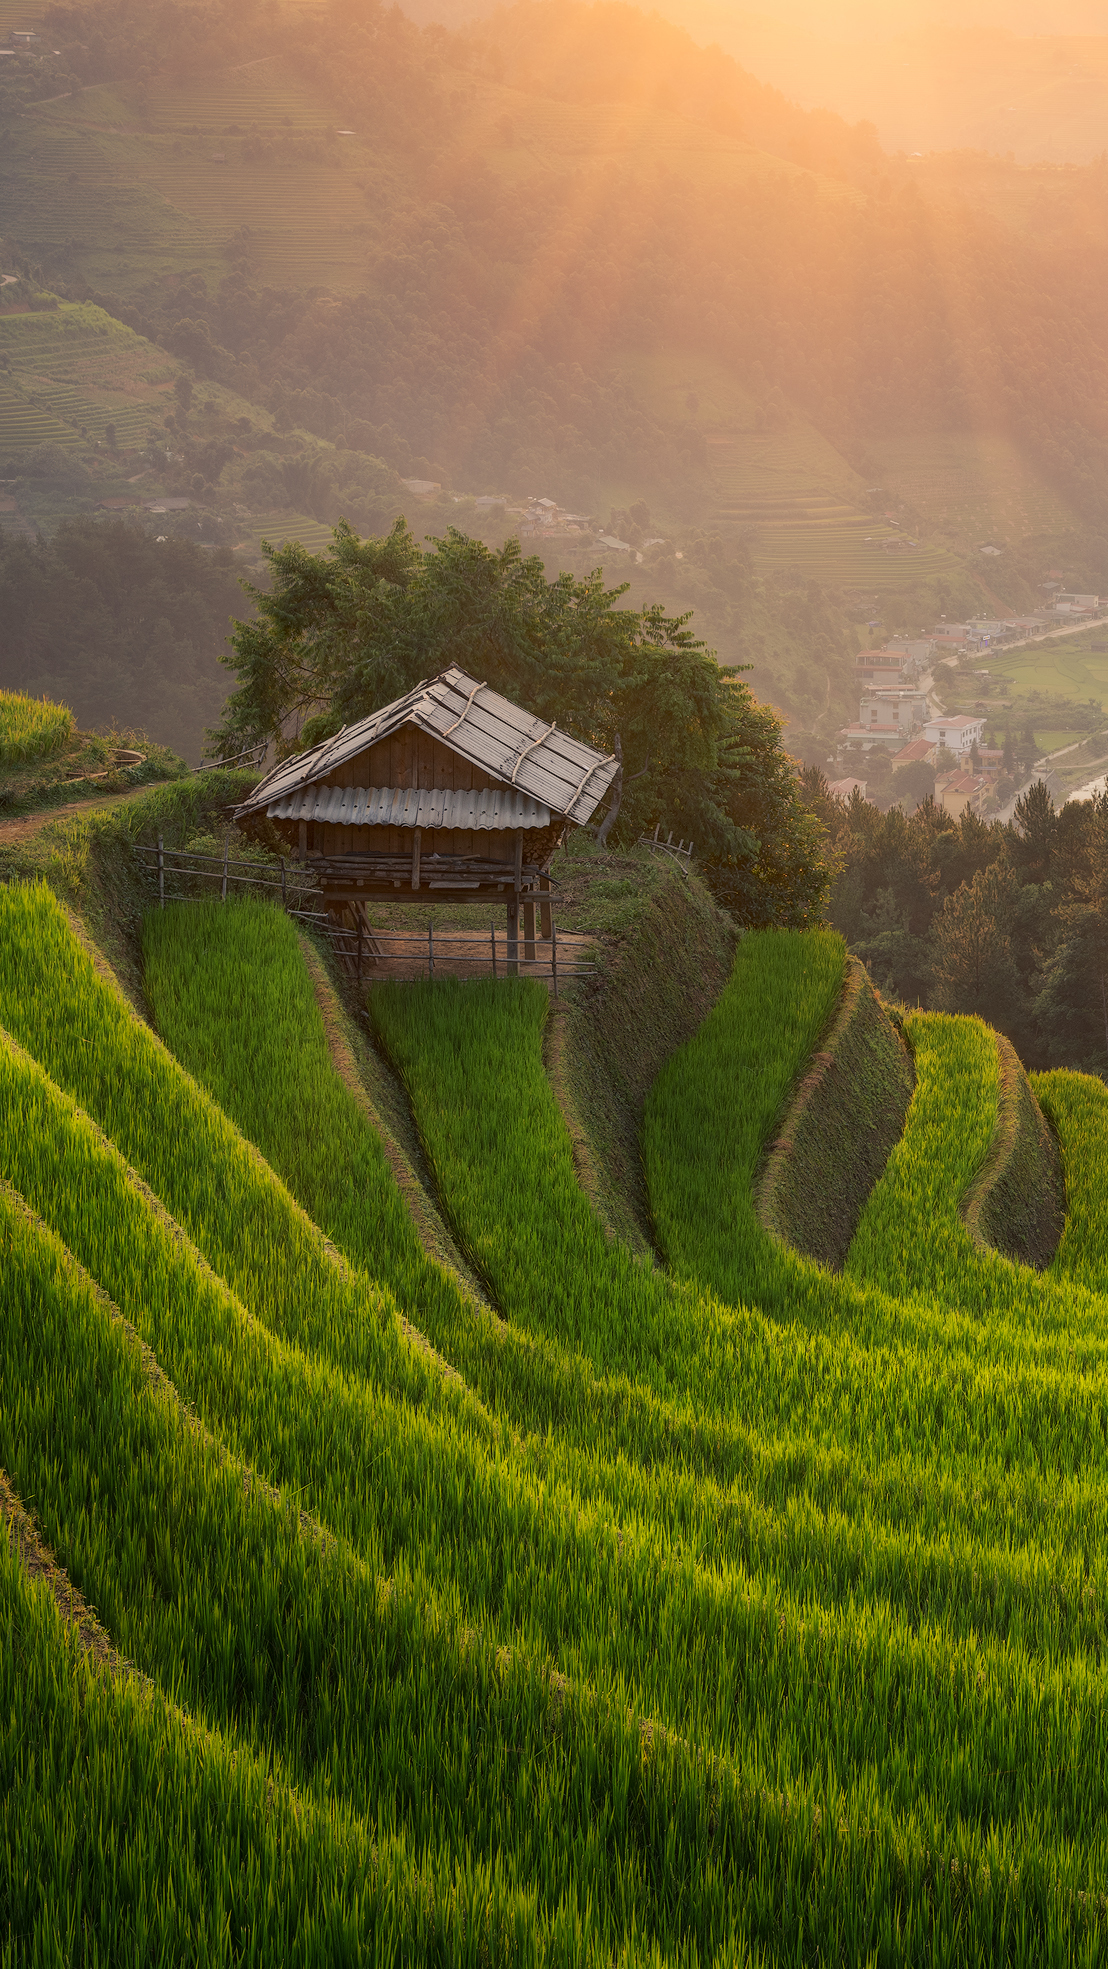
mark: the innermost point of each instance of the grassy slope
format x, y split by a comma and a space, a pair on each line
1076, 1105
862, 1504
837, 1899
88, 859
1016, 1203
666, 953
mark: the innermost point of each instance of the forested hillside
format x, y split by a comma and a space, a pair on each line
120, 623
566, 252
535, 204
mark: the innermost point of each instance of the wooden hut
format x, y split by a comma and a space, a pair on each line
452, 794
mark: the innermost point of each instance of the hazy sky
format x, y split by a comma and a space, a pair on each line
843, 17
1021, 78
1010, 77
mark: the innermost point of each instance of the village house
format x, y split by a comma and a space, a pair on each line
959, 734
908, 708
881, 666
869, 736
917, 751
450, 794
918, 649
957, 792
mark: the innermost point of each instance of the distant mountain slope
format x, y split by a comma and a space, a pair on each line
566, 184
566, 252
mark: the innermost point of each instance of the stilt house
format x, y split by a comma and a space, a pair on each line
452, 794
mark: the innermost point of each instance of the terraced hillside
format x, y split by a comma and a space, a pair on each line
800, 505
252, 169
395, 1565
70, 373
74, 376
130, 192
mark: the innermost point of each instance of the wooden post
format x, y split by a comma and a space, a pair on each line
284, 888
161, 874
492, 934
430, 950
544, 908
529, 930
416, 839
359, 944
226, 852
513, 906
554, 956
303, 840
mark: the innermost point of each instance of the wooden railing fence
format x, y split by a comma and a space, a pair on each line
360, 946
679, 851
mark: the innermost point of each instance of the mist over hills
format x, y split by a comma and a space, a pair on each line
568, 251
1024, 81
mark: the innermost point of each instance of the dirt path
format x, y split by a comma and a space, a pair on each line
25, 825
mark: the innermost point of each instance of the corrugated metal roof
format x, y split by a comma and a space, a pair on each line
409, 806
563, 773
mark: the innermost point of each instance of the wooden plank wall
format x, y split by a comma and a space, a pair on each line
412, 758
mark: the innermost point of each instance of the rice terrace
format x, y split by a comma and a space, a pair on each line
553, 985
490, 1477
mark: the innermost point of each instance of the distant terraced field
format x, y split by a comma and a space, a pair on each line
127, 191
800, 504
972, 486
73, 371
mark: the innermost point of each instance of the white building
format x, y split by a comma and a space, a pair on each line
959, 734
907, 708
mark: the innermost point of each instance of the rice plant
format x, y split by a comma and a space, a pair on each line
369, 1700
754, 1612
31, 728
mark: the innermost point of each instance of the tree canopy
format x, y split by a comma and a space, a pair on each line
1009, 920
342, 633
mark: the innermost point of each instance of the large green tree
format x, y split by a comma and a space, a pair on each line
974, 969
339, 634
1072, 1005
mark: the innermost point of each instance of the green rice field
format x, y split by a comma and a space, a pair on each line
1064, 666
711, 1608
31, 728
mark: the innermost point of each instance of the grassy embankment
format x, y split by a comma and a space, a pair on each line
836, 1136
